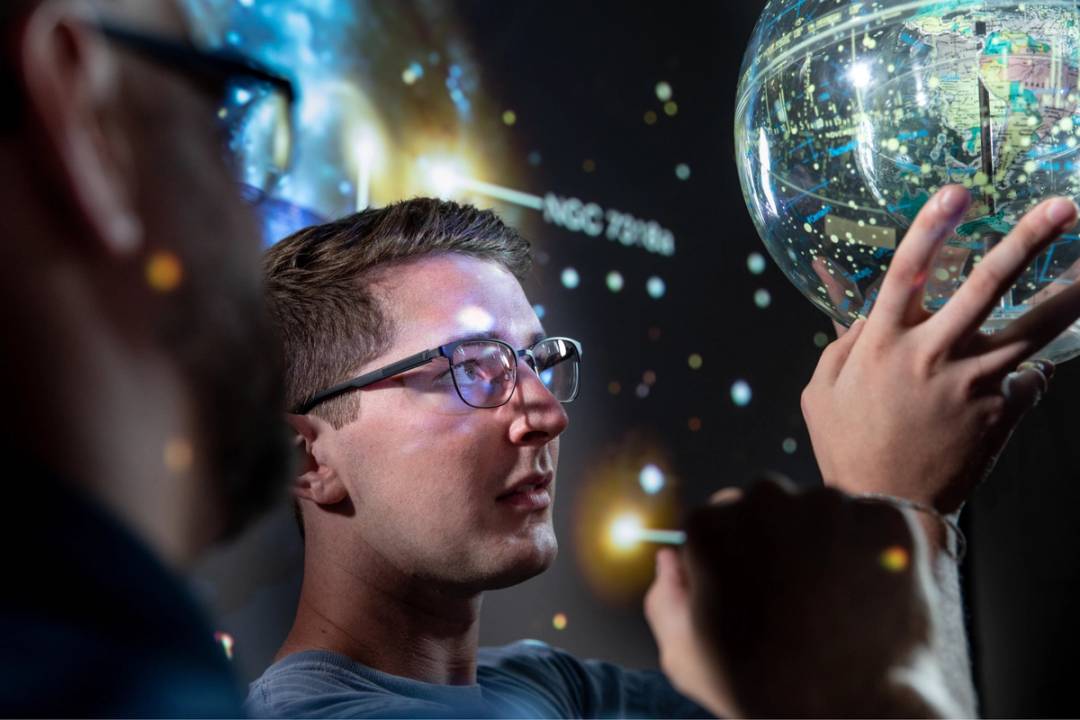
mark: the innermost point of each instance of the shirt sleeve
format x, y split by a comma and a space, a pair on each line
597, 689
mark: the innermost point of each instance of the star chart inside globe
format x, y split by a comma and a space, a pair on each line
850, 115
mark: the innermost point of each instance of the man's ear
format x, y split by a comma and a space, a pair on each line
315, 479
72, 83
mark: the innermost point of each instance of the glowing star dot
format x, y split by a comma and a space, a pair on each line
626, 531
694, 424
789, 445
164, 271
663, 91
559, 621
615, 281
821, 339
762, 298
895, 559
650, 117
741, 393
651, 479
539, 310
178, 455
570, 278
655, 287
589, 165
682, 171
509, 117
225, 640
695, 361
755, 263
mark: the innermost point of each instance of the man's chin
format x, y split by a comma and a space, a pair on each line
527, 564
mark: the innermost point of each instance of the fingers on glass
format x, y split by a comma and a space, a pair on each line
1001, 267
902, 292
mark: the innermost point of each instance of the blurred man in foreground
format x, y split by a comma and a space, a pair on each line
141, 408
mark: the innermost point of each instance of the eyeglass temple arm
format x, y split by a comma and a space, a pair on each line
370, 378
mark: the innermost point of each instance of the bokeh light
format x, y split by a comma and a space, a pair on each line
821, 339
559, 621
655, 287
895, 559
651, 478
614, 387
540, 311
570, 278
625, 531
178, 455
164, 271
755, 263
682, 171
225, 640
789, 446
695, 361
671, 108
663, 91
741, 393
762, 298
694, 424
650, 117
614, 281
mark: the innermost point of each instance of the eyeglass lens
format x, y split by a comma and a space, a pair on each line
257, 126
485, 372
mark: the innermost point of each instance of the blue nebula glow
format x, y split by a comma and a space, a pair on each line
651, 479
741, 393
570, 278
655, 287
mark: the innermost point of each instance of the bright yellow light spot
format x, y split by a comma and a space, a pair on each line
626, 531
559, 621
695, 361
509, 117
671, 108
650, 117
164, 271
178, 455
895, 559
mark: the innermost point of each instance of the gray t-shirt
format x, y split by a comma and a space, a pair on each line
526, 679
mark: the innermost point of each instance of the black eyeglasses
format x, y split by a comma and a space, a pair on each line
484, 372
257, 103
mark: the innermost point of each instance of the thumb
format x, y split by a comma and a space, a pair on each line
669, 590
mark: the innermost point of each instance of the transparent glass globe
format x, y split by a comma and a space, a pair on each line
850, 115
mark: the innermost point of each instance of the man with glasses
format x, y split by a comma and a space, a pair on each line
142, 409
428, 404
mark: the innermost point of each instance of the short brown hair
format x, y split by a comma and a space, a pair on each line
318, 286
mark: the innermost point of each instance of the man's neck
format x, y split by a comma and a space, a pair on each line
389, 623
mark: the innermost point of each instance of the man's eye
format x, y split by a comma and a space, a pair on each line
469, 370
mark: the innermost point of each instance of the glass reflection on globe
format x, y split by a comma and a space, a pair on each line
851, 114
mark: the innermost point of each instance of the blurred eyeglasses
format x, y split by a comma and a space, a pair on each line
484, 372
257, 105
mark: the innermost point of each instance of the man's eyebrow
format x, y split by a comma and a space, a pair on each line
494, 335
